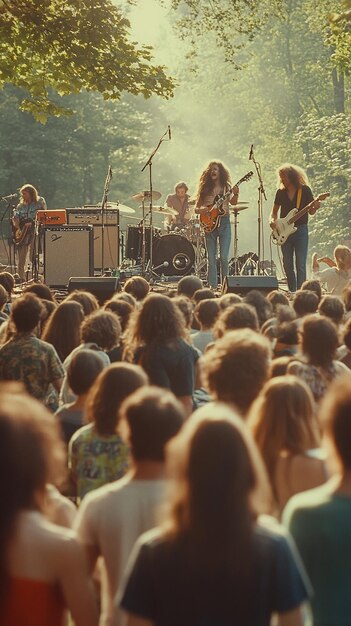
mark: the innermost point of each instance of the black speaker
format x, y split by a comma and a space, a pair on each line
102, 287
243, 284
68, 251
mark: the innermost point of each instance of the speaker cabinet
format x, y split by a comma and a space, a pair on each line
111, 246
68, 251
103, 287
242, 284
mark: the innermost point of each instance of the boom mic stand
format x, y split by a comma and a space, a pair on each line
103, 209
261, 195
149, 163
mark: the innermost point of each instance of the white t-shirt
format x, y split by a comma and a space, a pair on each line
334, 279
111, 519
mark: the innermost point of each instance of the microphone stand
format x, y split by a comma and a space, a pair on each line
149, 163
103, 207
261, 195
11, 244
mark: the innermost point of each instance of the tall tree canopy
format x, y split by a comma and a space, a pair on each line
72, 46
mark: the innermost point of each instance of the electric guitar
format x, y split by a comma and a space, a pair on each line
211, 218
285, 226
22, 234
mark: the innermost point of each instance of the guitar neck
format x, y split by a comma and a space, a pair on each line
228, 193
300, 213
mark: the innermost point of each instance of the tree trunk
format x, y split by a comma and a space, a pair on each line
339, 91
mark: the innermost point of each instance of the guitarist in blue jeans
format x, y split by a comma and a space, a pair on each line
214, 181
294, 192
25, 213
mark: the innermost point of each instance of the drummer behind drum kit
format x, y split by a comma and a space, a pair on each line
177, 252
172, 251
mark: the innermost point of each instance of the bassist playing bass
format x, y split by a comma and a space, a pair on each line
23, 224
294, 192
215, 180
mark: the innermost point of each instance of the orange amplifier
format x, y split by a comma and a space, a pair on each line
52, 217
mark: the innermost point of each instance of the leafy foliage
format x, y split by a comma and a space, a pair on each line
70, 46
233, 23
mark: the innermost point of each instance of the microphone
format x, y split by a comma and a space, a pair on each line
251, 152
110, 171
10, 197
169, 132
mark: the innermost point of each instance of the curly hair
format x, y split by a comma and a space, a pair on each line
295, 174
158, 321
206, 182
102, 328
236, 367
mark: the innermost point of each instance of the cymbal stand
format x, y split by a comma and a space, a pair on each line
261, 196
103, 210
149, 164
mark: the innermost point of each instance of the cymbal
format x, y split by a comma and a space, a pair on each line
166, 210
115, 206
145, 195
240, 206
191, 202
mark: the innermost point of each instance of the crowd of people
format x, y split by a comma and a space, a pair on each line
175, 458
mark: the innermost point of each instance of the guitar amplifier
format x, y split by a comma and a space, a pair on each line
91, 215
68, 251
54, 217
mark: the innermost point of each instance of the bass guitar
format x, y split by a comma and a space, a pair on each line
285, 226
211, 218
22, 234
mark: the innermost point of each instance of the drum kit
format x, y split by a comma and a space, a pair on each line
172, 251
175, 250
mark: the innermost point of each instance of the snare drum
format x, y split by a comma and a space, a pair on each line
177, 251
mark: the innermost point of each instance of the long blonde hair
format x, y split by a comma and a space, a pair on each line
342, 255
296, 175
32, 191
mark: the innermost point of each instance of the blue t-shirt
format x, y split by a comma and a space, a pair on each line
29, 210
161, 587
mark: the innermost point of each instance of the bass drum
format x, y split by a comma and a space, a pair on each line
177, 251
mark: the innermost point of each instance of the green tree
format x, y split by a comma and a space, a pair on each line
71, 46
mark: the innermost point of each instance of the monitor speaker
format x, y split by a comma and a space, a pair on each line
243, 284
102, 287
68, 251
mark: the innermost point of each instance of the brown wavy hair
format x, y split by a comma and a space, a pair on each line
206, 182
158, 322
296, 175
63, 328
282, 419
220, 485
31, 454
112, 386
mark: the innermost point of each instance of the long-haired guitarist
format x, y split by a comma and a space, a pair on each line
23, 223
294, 192
214, 181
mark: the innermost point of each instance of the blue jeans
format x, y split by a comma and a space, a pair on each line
297, 243
223, 233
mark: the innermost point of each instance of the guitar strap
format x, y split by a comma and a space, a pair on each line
298, 199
